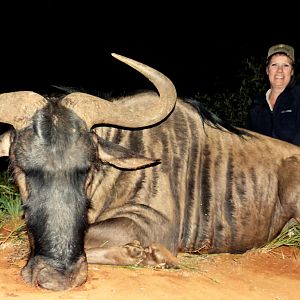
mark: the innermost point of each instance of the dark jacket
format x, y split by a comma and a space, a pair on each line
283, 122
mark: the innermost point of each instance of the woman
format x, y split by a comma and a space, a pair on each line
277, 113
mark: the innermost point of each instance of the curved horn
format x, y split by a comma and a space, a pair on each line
95, 110
18, 108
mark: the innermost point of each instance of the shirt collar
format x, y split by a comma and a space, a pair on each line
268, 99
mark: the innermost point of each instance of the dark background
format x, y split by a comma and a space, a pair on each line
199, 47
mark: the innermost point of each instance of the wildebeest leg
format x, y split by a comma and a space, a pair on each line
119, 241
289, 187
133, 254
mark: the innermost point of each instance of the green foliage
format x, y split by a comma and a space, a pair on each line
233, 105
12, 225
288, 237
10, 202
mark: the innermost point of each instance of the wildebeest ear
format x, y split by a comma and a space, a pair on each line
122, 157
5, 143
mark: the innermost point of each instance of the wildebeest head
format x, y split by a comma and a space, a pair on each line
53, 151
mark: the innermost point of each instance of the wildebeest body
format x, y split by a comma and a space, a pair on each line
137, 180
219, 189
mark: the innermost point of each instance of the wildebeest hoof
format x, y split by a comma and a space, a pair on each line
135, 250
161, 257
154, 255
40, 273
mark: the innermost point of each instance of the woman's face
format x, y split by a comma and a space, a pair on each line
280, 70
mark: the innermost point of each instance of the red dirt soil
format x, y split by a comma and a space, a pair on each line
273, 275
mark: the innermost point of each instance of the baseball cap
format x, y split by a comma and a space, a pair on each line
282, 48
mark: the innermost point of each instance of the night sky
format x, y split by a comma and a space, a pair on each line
69, 43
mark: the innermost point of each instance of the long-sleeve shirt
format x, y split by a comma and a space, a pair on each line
283, 122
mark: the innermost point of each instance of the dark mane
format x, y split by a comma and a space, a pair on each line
213, 120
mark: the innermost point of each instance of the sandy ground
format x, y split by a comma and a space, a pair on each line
251, 276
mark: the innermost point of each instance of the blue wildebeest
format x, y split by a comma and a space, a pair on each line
139, 179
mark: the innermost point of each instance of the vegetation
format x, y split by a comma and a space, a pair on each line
11, 222
290, 236
10, 202
233, 105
